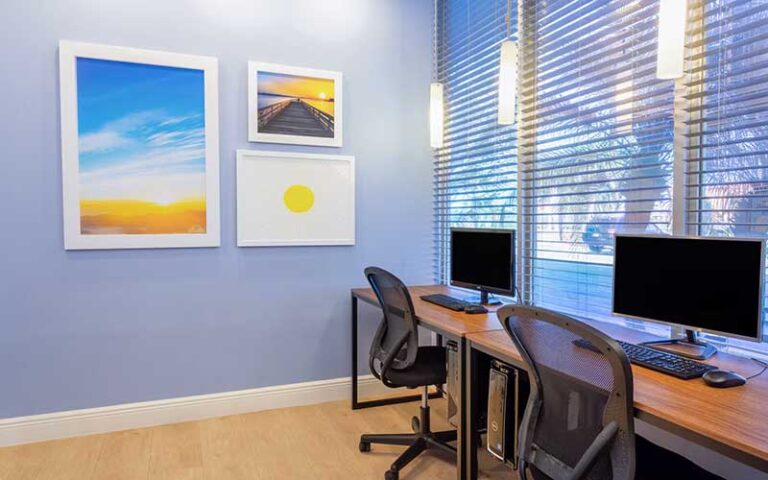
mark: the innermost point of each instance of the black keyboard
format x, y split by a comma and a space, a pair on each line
668, 363
446, 301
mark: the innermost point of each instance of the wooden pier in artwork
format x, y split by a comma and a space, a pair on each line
295, 117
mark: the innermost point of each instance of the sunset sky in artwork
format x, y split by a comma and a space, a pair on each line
141, 148
295, 86
319, 92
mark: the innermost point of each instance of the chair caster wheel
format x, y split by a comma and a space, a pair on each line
391, 475
365, 447
415, 424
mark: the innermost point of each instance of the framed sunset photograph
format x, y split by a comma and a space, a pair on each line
140, 148
294, 105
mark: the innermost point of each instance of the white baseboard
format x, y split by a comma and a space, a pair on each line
52, 426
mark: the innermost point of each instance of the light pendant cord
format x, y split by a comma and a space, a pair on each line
434, 42
509, 19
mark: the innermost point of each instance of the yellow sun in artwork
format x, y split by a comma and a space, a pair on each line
299, 198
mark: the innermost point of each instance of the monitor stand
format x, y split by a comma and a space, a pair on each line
484, 299
690, 346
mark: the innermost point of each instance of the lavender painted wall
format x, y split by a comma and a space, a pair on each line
87, 329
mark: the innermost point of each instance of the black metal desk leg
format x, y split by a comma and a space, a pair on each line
461, 450
355, 404
473, 397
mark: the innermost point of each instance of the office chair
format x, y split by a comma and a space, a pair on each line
579, 421
398, 361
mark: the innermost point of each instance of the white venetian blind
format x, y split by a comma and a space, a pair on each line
476, 170
596, 145
727, 120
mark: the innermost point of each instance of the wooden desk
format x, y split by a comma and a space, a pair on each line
446, 323
730, 421
437, 318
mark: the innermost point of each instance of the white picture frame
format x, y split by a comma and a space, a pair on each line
264, 215
272, 87
201, 148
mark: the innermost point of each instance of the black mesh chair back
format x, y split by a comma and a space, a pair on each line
396, 342
579, 422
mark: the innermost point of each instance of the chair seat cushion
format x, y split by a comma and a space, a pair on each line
428, 369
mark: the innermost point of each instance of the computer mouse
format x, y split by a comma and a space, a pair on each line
723, 379
474, 309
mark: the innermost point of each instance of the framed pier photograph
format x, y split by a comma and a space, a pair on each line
299, 106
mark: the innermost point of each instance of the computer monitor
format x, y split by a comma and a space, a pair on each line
701, 284
483, 260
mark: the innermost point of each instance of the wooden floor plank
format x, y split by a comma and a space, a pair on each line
124, 456
227, 451
75, 461
23, 462
176, 452
316, 441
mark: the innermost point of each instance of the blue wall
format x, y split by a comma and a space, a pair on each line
86, 329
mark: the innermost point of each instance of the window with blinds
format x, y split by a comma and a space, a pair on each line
727, 121
601, 140
476, 170
596, 145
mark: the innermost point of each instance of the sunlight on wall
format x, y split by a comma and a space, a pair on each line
335, 19
331, 19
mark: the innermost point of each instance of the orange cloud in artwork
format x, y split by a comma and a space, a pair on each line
126, 217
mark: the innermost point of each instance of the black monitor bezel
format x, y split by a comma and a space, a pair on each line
513, 262
761, 296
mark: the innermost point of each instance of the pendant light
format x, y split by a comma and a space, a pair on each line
670, 52
507, 76
436, 114
436, 109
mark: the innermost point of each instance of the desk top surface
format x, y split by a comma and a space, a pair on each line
441, 318
734, 417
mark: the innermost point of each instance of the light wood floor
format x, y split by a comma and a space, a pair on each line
314, 442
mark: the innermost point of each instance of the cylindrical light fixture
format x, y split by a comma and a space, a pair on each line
670, 53
436, 114
507, 82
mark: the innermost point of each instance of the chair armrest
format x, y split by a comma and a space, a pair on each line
391, 357
603, 440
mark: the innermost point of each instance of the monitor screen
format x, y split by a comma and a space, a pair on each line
483, 258
702, 284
